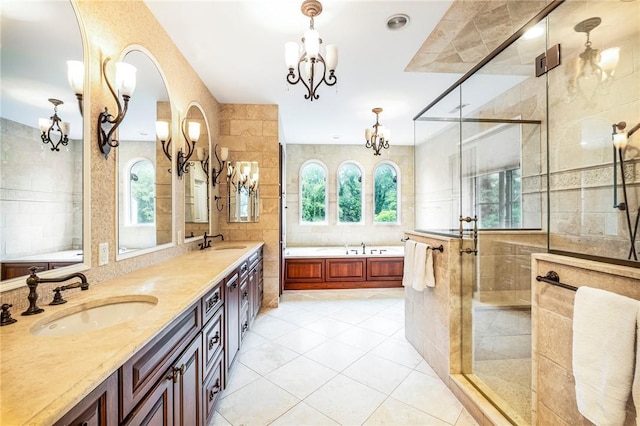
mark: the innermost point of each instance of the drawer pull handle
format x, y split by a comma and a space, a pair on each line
245, 295
213, 300
215, 339
177, 372
215, 390
245, 327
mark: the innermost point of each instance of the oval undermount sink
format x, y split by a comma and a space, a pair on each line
94, 315
230, 248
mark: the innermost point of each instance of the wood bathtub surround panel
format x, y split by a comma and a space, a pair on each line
308, 270
385, 268
139, 374
345, 269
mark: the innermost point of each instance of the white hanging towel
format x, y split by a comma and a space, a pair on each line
409, 253
423, 267
604, 331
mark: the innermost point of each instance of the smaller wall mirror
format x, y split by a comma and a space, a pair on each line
243, 192
196, 177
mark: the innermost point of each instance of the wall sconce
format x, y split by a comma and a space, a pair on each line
219, 206
380, 136
107, 123
595, 69
222, 159
203, 158
244, 175
163, 135
55, 124
75, 75
191, 136
620, 142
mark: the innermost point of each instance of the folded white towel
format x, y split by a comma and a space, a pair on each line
409, 254
429, 275
419, 267
604, 331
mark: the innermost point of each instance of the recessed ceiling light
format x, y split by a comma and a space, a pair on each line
397, 21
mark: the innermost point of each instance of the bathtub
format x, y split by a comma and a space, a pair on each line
311, 268
349, 251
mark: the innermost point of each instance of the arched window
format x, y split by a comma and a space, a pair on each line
385, 193
350, 193
142, 193
313, 192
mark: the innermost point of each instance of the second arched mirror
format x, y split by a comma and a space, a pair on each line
144, 176
196, 172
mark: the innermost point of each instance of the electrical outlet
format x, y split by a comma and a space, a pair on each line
103, 254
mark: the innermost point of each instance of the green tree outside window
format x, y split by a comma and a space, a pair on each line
143, 193
313, 193
349, 194
385, 190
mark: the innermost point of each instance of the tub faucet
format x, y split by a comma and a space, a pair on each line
346, 249
33, 280
363, 247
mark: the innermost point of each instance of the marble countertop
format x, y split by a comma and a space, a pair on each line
43, 377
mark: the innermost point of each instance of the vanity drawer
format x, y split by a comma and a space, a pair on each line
144, 369
244, 295
244, 322
212, 338
211, 302
213, 386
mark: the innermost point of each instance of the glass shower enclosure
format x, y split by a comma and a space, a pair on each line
480, 168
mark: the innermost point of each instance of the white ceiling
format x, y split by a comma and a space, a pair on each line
237, 49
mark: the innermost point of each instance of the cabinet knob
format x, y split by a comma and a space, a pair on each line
213, 300
215, 339
213, 391
245, 327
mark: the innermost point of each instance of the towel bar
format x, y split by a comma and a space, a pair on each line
553, 278
440, 248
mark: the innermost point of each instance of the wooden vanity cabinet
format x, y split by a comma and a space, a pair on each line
152, 366
100, 407
232, 317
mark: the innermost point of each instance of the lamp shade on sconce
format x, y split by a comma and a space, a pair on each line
312, 43
291, 54
620, 140
162, 130
75, 76
331, 53
194, 131
125, 78
224, 154
609, 59
44, 124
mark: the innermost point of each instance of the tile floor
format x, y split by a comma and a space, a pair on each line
335, 358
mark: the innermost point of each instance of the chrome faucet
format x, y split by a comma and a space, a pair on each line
363, 247
33, 280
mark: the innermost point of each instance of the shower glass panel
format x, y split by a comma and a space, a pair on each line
481, 163
586, 211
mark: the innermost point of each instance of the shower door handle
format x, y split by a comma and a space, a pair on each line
468, 219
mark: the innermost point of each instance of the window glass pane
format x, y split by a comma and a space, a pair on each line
142, 192
313, 193
385, 194
498, 199
349, 193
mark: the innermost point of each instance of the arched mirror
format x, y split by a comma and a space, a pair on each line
144, 171
196, 176
41, 146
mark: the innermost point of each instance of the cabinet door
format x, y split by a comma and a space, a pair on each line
187, 389
213, 388
385, 268
156, 408
99, 408
346, 269
232, 317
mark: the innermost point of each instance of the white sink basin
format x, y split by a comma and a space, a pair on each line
94, 315
230, 248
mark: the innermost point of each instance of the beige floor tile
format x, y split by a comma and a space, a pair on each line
251, 341
328, 327
466, 419
218, 420
430, 395
301, 376
335, 355
425, 368
239, 377
271, 327
267, 357
378, 373
396, 413
345, 400
258, 403
399, 351
301, 340
303, 415
300, 317
381, 325
361, 338
350, 316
